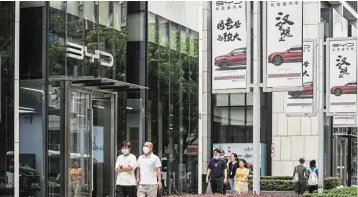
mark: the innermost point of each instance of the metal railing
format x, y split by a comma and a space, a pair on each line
353, 4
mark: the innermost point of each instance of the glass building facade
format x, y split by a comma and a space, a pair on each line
89, 78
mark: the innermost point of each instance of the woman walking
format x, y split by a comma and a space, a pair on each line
242, 177
299, 175
233, 165
312, 174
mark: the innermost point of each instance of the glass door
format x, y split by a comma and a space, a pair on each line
75, 141
80, 144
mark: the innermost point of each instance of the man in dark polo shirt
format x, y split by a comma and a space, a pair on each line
217, 173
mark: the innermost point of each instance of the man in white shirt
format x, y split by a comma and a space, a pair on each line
148, 172
125, 166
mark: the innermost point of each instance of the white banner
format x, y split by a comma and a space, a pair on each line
344, 121
229, 52
301, 101
342, 76
284, 44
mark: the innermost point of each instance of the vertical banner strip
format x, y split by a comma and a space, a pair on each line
230, 51
284, 39
341, 76
303, 102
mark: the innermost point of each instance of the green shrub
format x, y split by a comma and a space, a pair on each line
346, 192
284, 183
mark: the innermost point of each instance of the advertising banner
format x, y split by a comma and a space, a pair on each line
230, 53
283, 64
344, 121
302, 101
341, 90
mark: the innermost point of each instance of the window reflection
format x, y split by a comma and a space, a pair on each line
7, 19
173, 98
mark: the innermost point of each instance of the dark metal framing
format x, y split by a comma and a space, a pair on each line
64, 130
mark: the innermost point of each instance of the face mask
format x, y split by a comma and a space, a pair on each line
145, 150
216, 157
222, 157
125, 151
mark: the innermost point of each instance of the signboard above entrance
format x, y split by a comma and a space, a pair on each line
77, 51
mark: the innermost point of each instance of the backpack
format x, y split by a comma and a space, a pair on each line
313, 178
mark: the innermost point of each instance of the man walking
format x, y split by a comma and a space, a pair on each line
217, 173
149, 177
125, 166
222, 156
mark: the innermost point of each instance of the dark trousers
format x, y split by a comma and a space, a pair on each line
217, 186
300, 187
312, 188
224, 188
126, 191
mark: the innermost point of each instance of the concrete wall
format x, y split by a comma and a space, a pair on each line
295, 137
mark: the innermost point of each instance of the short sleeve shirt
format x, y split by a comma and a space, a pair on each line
148, 166
126, 178
217, 167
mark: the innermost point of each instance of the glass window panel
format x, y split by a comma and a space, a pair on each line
237, 99
237, 116
222, 99
72, 7
163, 32
249, 99
104, 15
88, 7
174, 31
151, 28
249, 117
183, 37
56, 4
221, 114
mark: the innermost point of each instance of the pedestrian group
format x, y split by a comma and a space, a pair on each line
138, 178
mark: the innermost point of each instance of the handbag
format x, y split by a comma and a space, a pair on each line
295, 176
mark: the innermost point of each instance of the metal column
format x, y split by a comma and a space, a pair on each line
321, 114
256, 96
64, 134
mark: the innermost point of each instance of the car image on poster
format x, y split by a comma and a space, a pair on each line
229, 46
284, 44
301, 101
342, 80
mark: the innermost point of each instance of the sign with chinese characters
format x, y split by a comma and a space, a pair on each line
243, 150
79, 52
344, 121
284, 44
301, 101
229, 41
341, 91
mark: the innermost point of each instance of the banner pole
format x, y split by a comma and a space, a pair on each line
321, 118
256, 97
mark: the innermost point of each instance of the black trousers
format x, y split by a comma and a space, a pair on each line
224, 188
126, 191
312, 188
217, 186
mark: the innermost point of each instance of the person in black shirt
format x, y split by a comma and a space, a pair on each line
222, 156
233, 165
217, 171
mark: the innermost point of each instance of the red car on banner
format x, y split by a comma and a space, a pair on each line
349, 88
234, 58
307, 91
293, 54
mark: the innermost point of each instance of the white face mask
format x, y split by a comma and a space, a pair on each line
145, 150
125, 151
222, 157
216, 157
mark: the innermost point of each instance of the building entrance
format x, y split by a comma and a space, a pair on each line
87, 125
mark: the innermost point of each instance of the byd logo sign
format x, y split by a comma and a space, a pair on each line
77, 51
343, 45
